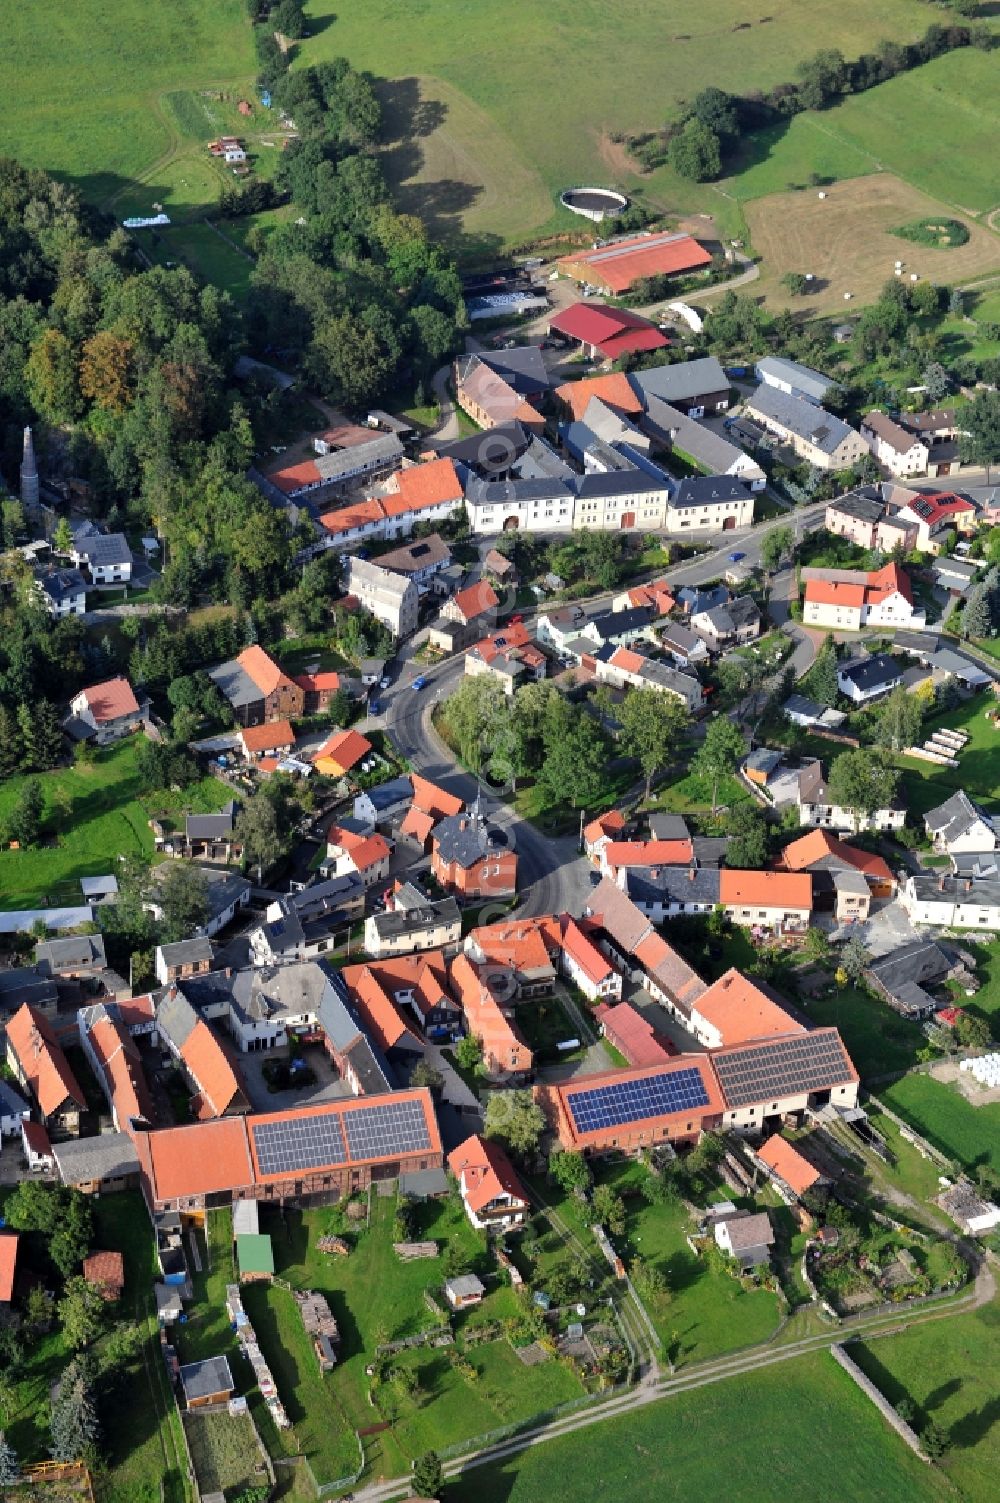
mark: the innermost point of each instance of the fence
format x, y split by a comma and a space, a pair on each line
902, 1429
527, 1427
911, 1135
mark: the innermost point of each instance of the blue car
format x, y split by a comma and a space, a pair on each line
419, 682
375, 707
736, 558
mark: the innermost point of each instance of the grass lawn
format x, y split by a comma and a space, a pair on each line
109, 814
103, 124
203, 249
376, 1298
545, 1024
970, 1134
223, 1449
879, 1041
949, 1370
692, 794
978, 770
756, 1439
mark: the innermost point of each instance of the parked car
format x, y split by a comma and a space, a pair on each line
736, 558
384, 683
374, 707
419, 682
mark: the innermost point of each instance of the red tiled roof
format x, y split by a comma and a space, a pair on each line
633, 342
432, 799
632, 1035
375, 1006
596, 324
37, 1139
786, 1161
614, 389
262, 669
111, 700
526, 944
106, 1268
119, 1059
648, 853
741, 1012
205, 1158
316, 683
626, 660
581, 949
604, 825
134, 1011
834, 592
499, 1035
347, 518
344, 749
368, 851
765, 889
276, 736
477, 598
423, 485
206, 1061
418, 823
622, 262
295, 476
485, 1171
809, 849
44, 1065
853, 592
943, 504
9, 1244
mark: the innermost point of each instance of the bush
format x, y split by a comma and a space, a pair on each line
943, 233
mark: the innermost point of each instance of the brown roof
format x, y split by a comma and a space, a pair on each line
206, 1061
476, 599
44, 1065
111, 700
202, 1158
618, 915
883, 427
797, 1172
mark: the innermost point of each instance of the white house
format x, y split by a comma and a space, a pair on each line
960, 825
953, 902
62, 592
868, 678
110, 709
849, 599
809, 790
13, 1111
106, 556
746, 1236
896, 450
587, 966
792, 378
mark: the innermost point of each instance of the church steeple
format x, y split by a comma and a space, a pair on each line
29, 472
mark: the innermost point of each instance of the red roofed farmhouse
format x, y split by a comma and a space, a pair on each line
493, 1196
850, 598
109, 709
426, 492
767, 900
40, 1065
607, 333
615, 266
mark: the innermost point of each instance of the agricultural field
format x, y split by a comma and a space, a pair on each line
846, 241
108, 815
769, 1435
82, 84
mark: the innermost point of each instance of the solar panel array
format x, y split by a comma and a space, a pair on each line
386, 1131
301, 1143
623, 1101
789, 1067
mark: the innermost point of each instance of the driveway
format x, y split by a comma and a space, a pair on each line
887, 929
327, 1087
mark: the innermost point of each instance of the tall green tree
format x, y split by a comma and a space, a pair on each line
257, 829
24, 822
514, 1118
428, 1476
651, 727
182, 896
862, 782
821, 680
10, 743
747, 831
899, 720
73, 1422
695, 153
81, 1312
776, 548
719, 754
981, 428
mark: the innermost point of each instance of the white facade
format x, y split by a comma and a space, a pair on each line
977, 908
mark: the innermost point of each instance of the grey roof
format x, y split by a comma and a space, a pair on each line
62, 584
930, 888
212, 826
617, 915
411, 921
496, 449
235, 684
668, 827
684, 382
802, 378
541, 462
705, 490
704, 445
27, 984
497, 492
323, 897
956, 815
466, 838
764, 760
175, 1017
337, 1018
695, 599
728, 619
11, 1104
187, 952
522, 367
955, 568
873, 673
748, 1231
619, 483
465, 1284
672, 884
819, 427
865, 507
919, 962
105, 550
710, 850
98, 887
680, 637
798, 704
74, 953
975, 863
614, 624
919, 643
387, 795
370, 1067
109, 1156
201, 1380
420, 1183
683, 684
381, 447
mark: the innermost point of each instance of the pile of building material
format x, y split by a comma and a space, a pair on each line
941, 748
320, 1324
410, 1251
985, 1069
251, 1350
335, 1245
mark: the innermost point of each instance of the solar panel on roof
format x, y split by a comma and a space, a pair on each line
386, 1130
793, 1067
623, 1101
301, 1143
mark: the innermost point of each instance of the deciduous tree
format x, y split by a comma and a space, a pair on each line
515, 1119
719, 754
651, 727
862, 782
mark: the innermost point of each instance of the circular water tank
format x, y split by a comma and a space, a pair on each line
594, 203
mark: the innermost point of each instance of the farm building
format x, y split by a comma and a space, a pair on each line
616, 265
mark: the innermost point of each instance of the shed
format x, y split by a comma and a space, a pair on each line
169, 1306
255, 1257
246, 1218
207, 1382
464, 1290
107, 1271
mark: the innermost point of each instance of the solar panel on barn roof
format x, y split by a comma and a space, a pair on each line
620, 1102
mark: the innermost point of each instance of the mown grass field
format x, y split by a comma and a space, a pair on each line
949, 1370
81, 82
970, 1134
797, 1430
924, 785
108, 816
